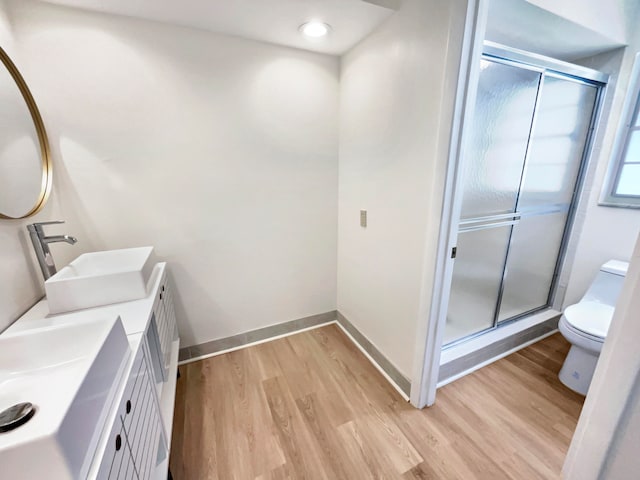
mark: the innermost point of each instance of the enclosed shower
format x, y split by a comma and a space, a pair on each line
522, 170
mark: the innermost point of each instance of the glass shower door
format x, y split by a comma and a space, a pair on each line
522, 166
493, 170
563, 119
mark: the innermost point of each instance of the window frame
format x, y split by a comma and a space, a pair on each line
631, 105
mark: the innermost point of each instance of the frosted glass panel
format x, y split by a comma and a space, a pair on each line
503, 271
557, 144
633, 147
629, 183
477, 275
502, 122
535, 245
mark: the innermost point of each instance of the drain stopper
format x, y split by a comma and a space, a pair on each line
15, 416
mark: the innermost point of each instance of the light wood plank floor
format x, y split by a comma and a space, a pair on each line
310, 406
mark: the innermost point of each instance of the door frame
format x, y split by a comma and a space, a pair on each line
427, 358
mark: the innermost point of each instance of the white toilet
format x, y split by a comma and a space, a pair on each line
585, 325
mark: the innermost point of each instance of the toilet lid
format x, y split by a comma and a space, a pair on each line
590, 317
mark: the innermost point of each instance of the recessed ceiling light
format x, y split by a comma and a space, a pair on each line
315, 29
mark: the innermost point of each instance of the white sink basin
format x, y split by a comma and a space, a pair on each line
100, 278
67, 373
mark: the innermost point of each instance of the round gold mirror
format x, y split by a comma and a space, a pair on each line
25, 163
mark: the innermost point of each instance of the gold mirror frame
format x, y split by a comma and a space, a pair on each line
45, 153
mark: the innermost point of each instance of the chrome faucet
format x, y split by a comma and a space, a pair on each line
41, 246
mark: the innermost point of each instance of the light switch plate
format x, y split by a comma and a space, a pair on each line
363, 218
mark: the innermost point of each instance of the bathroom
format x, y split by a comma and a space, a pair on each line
291, 182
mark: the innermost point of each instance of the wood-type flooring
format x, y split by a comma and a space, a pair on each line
311, 406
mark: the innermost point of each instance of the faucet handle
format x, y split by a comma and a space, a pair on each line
37, 227
52, 222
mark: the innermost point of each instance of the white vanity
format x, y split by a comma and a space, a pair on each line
112, 418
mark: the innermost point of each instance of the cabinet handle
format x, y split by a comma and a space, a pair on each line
161, 296
128, 406
163, 288
118, 443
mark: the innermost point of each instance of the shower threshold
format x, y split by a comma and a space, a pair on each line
467, 356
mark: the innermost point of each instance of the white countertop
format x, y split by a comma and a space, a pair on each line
134, 315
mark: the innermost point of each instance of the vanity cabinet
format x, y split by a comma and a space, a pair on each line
136, 443
135, 436
140, 434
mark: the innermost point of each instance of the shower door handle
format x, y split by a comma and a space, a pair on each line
473, 228
492, 218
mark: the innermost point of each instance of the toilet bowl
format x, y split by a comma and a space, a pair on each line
585, 325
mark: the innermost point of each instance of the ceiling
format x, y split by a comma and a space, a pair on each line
519, 24
273, 21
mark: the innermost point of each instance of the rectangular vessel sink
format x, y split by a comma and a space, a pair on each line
100, 278
68, 373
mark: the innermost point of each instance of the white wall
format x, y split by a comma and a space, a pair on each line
524, 25
396, 100
607, 18
221, 152
6, 33
604, 233
21, 282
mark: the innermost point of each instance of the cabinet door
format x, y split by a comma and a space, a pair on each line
128, 470
165, 320
167, 298
117, 463
136, 388
154, 350
164, 332
142, 422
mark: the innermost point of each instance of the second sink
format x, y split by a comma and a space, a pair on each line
67, 372
100, 278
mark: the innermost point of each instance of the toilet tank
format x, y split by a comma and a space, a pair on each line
607, 285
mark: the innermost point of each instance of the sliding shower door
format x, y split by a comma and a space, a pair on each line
493, 170
521, 171
562, 124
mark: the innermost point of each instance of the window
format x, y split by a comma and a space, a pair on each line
622, 186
